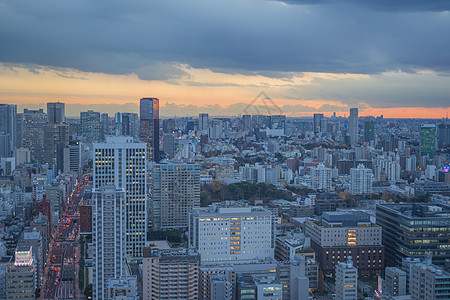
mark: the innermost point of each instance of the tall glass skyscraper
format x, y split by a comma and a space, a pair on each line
149, 126
428, 140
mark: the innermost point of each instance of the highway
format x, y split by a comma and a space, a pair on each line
61, 279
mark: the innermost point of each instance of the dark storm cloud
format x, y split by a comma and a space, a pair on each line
386, 5
151, 38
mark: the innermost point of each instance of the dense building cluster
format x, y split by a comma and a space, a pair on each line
141, 206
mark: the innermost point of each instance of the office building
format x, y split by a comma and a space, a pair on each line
429, 282
127, 124
247, 122
56, 137
21, 277
321, 178
8, 126
55, 198
443, 135
268, 288
108, 237
353, 126
317, 122
231, 234
5, 149
106, 128
175, 192
32, 132
91, 127
290, 246
203, 122
56, 113
171, 274
360, 180
34, 241
411, 230
121, 161
347, 233
369, 129
346, 281
297, 277
428, 140
7, 165
394, 282
149, 126
72, 157
278, 123
169, 144
215, 130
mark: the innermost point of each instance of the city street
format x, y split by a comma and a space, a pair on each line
61, 273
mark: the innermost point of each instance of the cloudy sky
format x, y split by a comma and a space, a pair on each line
384, 57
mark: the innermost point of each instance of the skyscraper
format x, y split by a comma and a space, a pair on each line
56, 132
56, 113
443, 134
247, 122
121, 161
317, 123
32, 128
203, 122
56, 136
353, 126
8, 121
149, 125
428, 140
109, 231
127, 124
369, 129
91, 127
175, 192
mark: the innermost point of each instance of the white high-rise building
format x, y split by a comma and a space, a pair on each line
121, 161
321, 178
353, 126
386, 167
109, 232
225, 234
346, 281
360, 180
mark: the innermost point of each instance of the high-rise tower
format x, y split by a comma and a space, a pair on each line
353, 126
56, 113
149, 125
428, 140
8, 121
121, 161
109, 232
